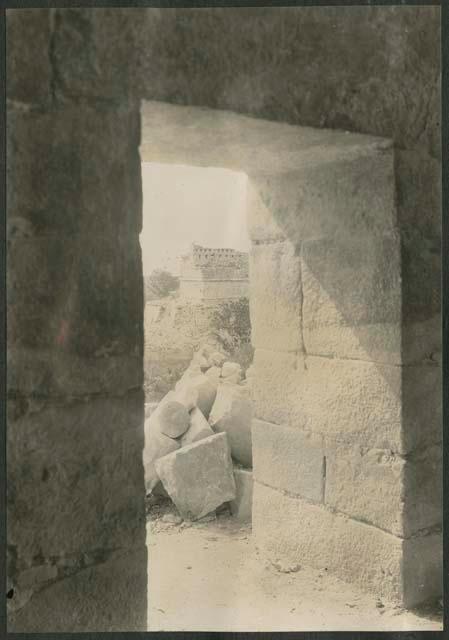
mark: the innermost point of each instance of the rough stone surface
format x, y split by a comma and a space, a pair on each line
172, 418
241, 506
81, 151
398, 46
389, 53
289, 459
214, 373
275, 296
198, 477
400, 495
157, 445
231, 369
204, 386
28, 68
381, 406
65, 474
352, 297
357, 552
95, 599
199, 428
149, 408
232, 414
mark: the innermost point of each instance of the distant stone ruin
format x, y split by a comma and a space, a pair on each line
175, 326
213, 274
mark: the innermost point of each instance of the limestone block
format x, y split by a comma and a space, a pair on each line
275, 296
204, 386
157, 445
172, 418
149, 408
352, 297
232, 414
80, 462
241, 506
400, 495
381, 406
199, 428
89, 167
288, 459
28, 69
198, 477
216, 358
79, 73
86, 603
334, 190
59, 299
214, 373
37, 575
231, 370
291, 531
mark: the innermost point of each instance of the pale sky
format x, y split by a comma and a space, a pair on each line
184, 204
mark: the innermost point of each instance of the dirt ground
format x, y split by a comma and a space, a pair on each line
208, 576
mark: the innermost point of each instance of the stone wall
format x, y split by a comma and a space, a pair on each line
75, 407
77, 558
345, 383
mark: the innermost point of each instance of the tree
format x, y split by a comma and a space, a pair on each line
160, 284
231, 327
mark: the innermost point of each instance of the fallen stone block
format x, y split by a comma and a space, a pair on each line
157, 445
199, 428
217, 359
231, 370
186, 396
232, 414
205, 386
198, 477
149, 408
172, 418
214, 373
241, 506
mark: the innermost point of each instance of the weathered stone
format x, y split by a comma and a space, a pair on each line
157, 445
58, 456
230, 369
336, 188
401, 571
400, 495
198, 477
204, 386
28, 67
275, 296
149, 408
216, 359
232, 414
89, 597
36, 575
78, 33
214, 373
199, 428
381, 406
172, 418
88, 162
288, 459
241, 506
352, 297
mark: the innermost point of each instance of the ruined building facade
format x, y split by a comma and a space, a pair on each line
208, 273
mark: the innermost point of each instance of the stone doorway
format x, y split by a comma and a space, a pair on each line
334, 376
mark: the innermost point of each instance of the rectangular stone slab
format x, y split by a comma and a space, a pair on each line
199, 477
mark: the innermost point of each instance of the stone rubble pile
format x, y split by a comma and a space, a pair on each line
193, 435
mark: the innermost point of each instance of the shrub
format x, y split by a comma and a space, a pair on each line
160, 284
